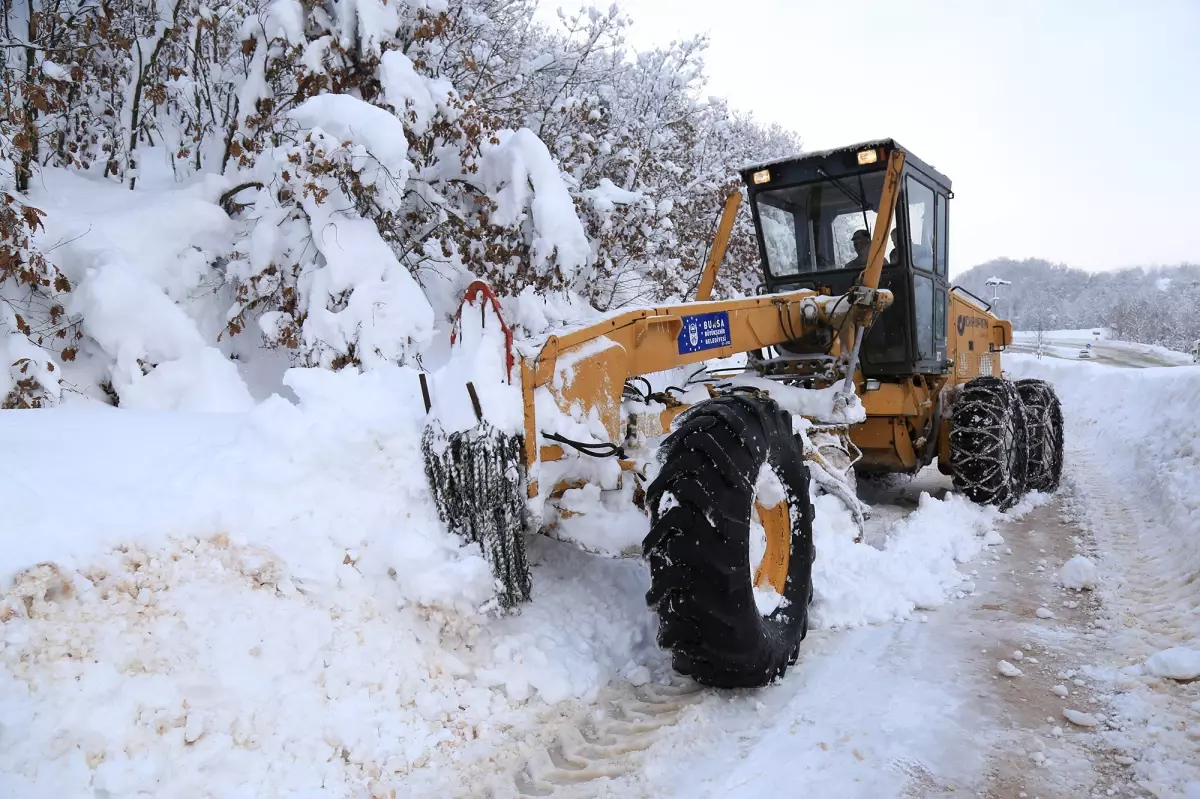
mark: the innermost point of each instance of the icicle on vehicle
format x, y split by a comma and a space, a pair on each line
860, 358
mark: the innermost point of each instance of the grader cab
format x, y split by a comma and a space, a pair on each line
859, 357
812, 214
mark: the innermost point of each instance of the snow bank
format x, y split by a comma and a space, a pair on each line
310, 482
1144, 425
914, 568
202, 668
1133, 450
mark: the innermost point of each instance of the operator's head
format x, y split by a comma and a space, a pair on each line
861, 241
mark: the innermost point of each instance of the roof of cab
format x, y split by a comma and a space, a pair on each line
830, 155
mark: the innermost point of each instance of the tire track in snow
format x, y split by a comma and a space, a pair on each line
1152, 595
599, 742
1157, 591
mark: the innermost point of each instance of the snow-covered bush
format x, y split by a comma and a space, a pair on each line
34, 324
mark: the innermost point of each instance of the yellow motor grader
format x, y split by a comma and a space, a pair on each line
859, 357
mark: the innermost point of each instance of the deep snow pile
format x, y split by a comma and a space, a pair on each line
1133, 439
283, 611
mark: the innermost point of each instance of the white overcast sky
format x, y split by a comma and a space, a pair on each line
1070, 130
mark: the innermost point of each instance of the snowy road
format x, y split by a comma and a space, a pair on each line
1067, 345
907, 710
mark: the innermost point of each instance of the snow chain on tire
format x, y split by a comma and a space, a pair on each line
1044, 425
701, 580
477, 483
988, 445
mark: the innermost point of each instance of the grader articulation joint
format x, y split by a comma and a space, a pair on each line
860, 359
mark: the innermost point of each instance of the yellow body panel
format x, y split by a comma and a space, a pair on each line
720, 242
975, 339
899, 414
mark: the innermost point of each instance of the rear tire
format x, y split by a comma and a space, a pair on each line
1044, 430
701, 579
988, 444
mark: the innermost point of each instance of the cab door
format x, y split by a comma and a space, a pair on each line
927, 214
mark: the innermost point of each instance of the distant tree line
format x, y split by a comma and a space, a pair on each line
1150, 305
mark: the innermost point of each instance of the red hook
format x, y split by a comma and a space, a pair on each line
477, 288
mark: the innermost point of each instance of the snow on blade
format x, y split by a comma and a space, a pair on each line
817, 404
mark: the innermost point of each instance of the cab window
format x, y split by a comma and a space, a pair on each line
943, 237
926, 322
779, 238
920, 206
811, 227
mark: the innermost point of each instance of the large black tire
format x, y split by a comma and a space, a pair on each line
701, 581
988, 445
1044, 426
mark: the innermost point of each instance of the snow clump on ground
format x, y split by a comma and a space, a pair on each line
1078, 573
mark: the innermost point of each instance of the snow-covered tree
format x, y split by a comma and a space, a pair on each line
375, 157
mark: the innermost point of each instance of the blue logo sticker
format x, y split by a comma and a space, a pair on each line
706, 331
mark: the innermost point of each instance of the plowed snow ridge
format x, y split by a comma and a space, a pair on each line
1133, 453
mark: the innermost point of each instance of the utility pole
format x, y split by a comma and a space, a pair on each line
996, 283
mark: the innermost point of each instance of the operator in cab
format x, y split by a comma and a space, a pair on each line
896, 258
862, 245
